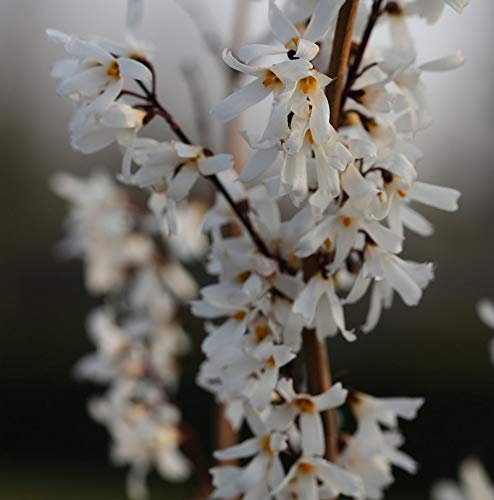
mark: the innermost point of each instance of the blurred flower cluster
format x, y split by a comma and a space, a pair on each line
139, 341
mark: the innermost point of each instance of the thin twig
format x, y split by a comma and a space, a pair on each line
353, 72
132, 94
242, 216
214, 179
339, 57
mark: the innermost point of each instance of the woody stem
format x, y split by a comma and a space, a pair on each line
319, 380
316, 354
353, 71
214, 179
340, 56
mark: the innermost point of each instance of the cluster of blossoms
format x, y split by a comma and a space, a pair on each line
475, 485
315, 220
136, 332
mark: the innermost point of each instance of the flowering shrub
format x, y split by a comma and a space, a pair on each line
315, 221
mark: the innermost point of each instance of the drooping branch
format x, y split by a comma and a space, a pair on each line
159, 110
340, 55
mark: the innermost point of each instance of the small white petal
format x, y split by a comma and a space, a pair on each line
250, 52
332, 398
182, 183
134, 69
435, 196
446, 63
282, 28
214, 164
458, 5
241, 100
246, 449
323, 16
485, 309
312, 434
259, 162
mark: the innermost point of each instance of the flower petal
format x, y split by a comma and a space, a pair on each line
281, 26
324, 14
241, 100
131, 68
246, 449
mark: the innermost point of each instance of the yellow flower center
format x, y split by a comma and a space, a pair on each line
261, 332
271, 362
266, 445
309, 136
293, 43
307, 84
305, 468
304, 405
346, 221
243, 277
271, 80
239, 315
113, 70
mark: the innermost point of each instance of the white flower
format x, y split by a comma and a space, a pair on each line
384, 410
370, 455
171, 170
390, 273
485, 309
306, 407
93, 128
173, 167
274, 79
102, 221
272, 358
432, 9
268, 81
475, 485
322, 308
93, 69
144, 432
263, 472
305, 475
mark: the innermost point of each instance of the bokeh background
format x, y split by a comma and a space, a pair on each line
49, 448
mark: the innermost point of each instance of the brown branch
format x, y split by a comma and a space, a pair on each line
319, 370
258, 241
193, 450
353, 72
319, 380
225, 434
316, 355
159, 110
339, 57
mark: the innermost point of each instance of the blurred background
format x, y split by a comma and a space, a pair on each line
49, 447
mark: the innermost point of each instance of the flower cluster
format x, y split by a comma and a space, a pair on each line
475, 485
315, 220
137, 334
